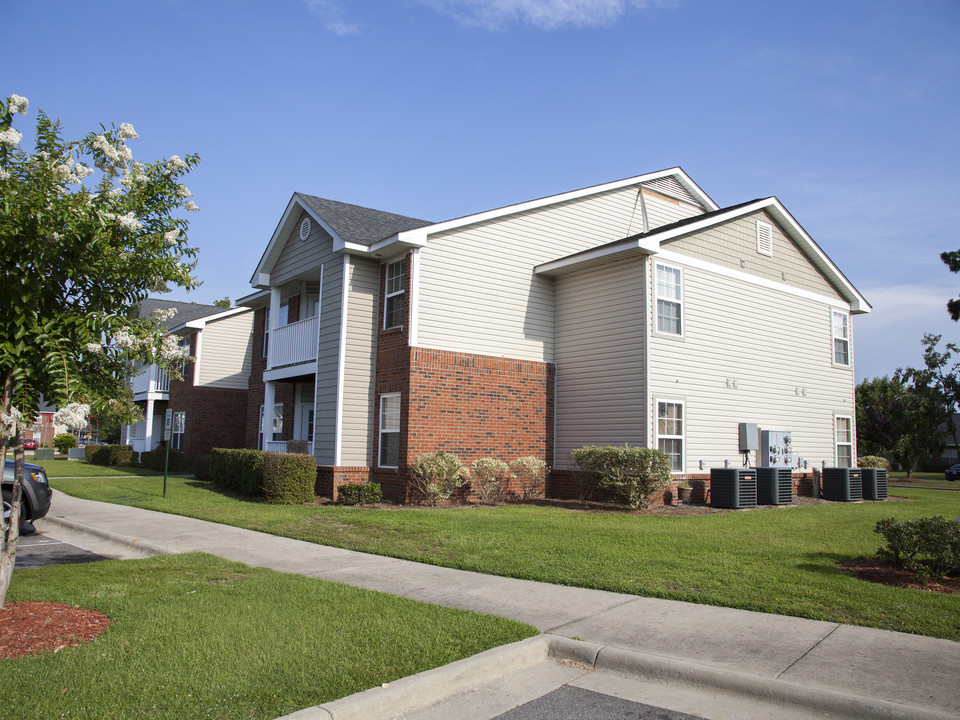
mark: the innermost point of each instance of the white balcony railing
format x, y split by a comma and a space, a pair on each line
151, 379
281, 446
294, 343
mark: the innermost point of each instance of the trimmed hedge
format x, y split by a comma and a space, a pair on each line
359, 494
928, 546
63, 442
109, 454
278, 478
632, 474
156, 458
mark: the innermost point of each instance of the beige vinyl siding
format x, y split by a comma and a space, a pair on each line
226, 348
300, 256
360, 363
478, 292
775, 346
600, 358
734, 245
328, 360
663, 210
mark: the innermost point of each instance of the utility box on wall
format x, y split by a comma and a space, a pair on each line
776, 449
748, 437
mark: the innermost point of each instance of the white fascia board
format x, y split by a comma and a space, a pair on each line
261, 276
199, 323
418, 236
253, 300
644, 246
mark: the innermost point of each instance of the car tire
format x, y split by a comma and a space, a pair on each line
24, 512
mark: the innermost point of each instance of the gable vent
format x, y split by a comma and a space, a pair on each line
764, 239
670, 186
305, 228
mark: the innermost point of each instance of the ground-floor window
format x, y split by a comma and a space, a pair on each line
670, 432
844, 441
277, 429
390, 430
179, 425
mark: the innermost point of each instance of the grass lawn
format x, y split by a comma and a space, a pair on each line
61, 467
195, 636
779, 560
924, 479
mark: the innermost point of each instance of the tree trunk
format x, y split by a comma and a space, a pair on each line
8, 556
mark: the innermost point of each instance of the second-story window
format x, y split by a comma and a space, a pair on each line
841, 338
669, 300
393, 305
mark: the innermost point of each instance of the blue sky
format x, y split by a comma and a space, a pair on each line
846, 111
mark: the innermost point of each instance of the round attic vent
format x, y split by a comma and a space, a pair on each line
305, 229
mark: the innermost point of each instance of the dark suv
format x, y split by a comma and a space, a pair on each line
34, 496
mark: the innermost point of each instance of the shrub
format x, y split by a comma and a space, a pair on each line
109, 454
288, 478
632, 474
873, 461
238, 470
435, 476
123, 458
359, 494
63, 442
297, 446
157, 459
531, 474
201, 468
488, 478
930, 547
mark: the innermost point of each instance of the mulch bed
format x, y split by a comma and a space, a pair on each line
30, 628
883, 571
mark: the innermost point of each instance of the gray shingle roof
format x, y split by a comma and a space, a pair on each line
361, 225
186, 311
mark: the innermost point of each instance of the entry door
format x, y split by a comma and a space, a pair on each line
306, 423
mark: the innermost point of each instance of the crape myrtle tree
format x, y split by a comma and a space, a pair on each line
86, 233
939, 380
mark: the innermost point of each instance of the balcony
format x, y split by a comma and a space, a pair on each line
294, 344
281, 446
151, 381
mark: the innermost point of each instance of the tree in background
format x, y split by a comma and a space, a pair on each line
938, 380
86, 232
225, 303
952, 261
897, 420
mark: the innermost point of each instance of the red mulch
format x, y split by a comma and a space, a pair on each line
30, 628
883, 571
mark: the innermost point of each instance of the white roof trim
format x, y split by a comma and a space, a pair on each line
652, 242
199, 323
261, 276
418, 236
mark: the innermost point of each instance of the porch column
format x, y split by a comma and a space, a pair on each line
148, 426
269, 395
274, 316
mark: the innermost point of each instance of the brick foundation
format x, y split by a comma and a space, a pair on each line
330, 478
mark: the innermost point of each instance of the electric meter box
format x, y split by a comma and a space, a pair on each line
776, 449
748, 437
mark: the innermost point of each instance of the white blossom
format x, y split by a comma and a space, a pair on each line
10, 137
170, 236
94, 348
9, 421
4, 174
81, 171
114, 193
101, 143
56, 236
184, 191
175, 163
124, 152
18, 104
127, 132
74, 415
124, 340
129, 222
192, 206
170, 350
164, 315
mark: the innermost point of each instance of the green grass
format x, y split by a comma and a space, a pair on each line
925, 479
779, 560
194, 636
61, 467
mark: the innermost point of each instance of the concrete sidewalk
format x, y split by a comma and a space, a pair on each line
818, 668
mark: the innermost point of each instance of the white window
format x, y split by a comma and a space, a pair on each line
669, 300
179, 425
393, 305
764, 238
284, 314
390, 430
841, 338
844, 441
311, 306
670, 432
276, 430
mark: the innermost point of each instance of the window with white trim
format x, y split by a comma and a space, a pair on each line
670, 432
276, 430
177, 430
841, 338
669, 300
390, 430
393, 303
844, 441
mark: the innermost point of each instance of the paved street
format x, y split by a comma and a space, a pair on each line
40, 550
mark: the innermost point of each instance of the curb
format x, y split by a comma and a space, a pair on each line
146, 545
421, 691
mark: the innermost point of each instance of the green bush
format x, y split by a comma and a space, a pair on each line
157, 458
288, 478
359, 494
123, 458
929, 546
488, 477
531, 474
873, 461
435, 476
632, 474
63, 442
238, 470
201, 468
109, 454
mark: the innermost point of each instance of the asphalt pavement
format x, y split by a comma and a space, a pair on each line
639, 655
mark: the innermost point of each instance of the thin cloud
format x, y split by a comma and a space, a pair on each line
331, 14
539, 14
